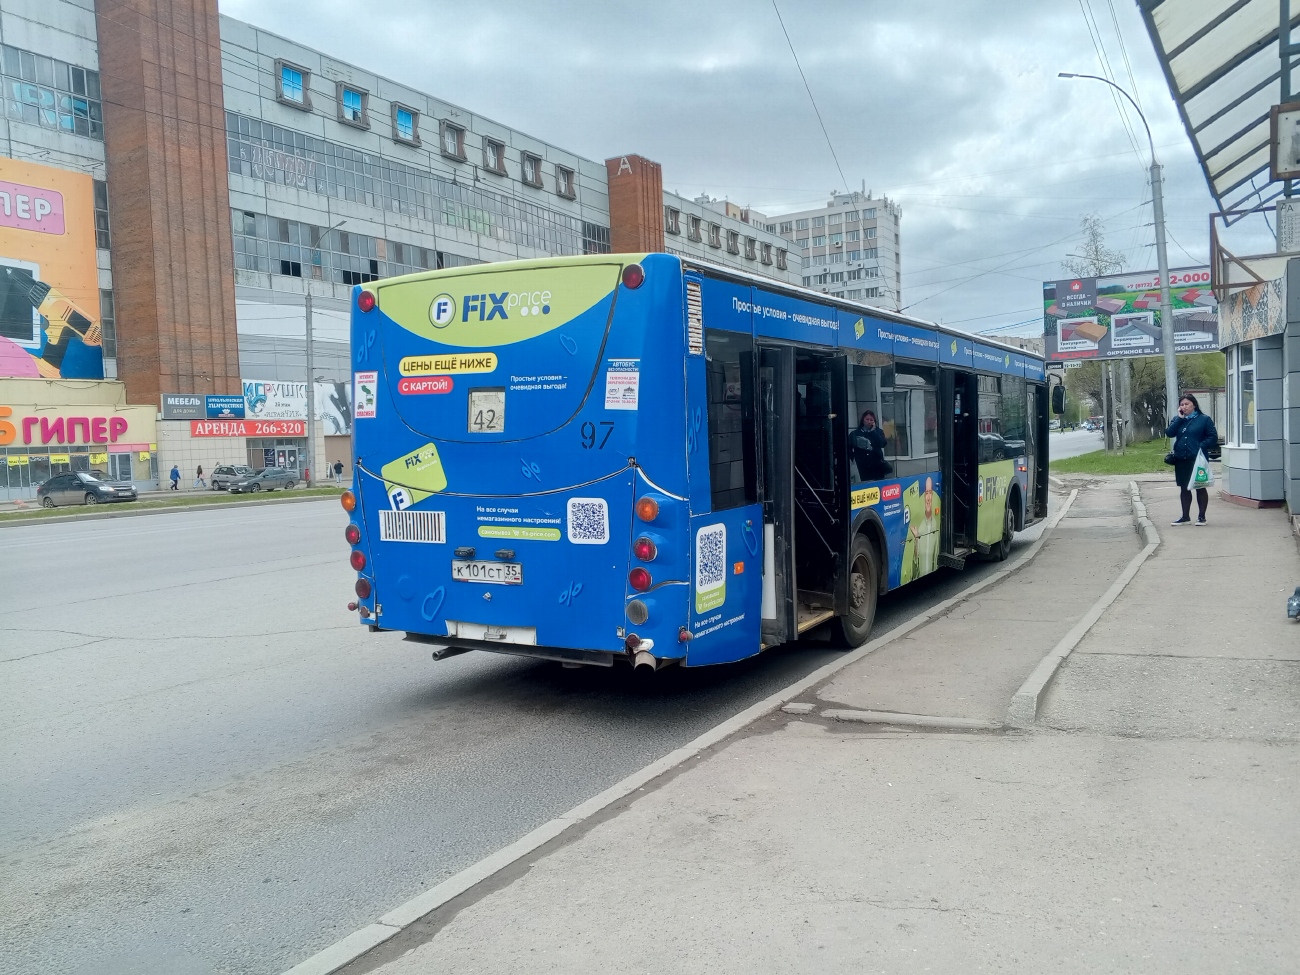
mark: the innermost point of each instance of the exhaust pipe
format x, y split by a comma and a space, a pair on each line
644, 663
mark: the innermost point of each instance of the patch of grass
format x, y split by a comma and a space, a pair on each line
185, 501
1138, 458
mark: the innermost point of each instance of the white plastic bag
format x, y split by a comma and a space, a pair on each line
1202, 476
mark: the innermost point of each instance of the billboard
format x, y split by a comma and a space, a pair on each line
1118, 316
266, 399
49, 285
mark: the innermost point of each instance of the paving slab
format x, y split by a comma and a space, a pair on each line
969, 663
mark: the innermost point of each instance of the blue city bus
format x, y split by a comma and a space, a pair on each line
647, 459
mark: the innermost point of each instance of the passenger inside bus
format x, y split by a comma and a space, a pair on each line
867, 448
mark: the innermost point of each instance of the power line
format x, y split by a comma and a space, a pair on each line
810, 97
1094, 35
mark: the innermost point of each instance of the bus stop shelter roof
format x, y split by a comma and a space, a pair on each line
1222, 61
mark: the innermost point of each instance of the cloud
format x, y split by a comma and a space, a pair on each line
953, 108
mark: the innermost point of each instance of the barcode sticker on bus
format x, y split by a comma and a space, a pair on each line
710, 567
413, 526
588, 521
694, 319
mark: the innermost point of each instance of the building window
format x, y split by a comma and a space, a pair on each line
818, 222
819, 260
531, 169
293, 85
851, 216
870, 254
565, 183
406, 125
869, 214
451, 139
819, 241
801, 224
802, 241
751, 249
854, 235
354, 105
870, 233
837, 239
672, 220
836, 218
780, 259
494, 157
733, 242
837, 277
787, 227
1241, 395
693, 229
767, 254
837, 257
108, 323
101, 215
51, 93
871, 293
855, 255
715, 235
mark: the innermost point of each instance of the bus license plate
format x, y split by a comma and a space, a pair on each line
501, 573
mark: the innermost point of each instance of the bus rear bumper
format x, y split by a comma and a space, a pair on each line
567, 655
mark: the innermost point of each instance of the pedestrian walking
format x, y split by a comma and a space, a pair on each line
175, 475
1194, 439
199, 482
338, 472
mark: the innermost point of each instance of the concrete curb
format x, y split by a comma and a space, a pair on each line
1023, 710
98, 515
359, 942
901, 720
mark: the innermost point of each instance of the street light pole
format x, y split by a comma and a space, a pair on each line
1162, 261
311, 377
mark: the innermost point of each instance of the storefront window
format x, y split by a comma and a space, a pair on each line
1241, 395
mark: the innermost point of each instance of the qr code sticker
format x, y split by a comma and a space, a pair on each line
588, 521
710, 558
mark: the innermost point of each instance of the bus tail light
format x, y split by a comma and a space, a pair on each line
633, 276
358, 559
644, 549
647, 509
363, 588
683, 635
349, 501
637, 612
353, 534
639, 579
366, 300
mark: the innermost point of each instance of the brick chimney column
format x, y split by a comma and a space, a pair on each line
169, 196
636, 204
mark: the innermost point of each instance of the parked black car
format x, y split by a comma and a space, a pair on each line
227, 474
83, 488
267, 479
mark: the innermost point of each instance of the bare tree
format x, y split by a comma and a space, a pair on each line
1094, 258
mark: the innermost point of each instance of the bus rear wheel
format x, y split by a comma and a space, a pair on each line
1000, 551
864, 585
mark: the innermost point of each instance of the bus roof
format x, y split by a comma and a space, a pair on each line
719, 270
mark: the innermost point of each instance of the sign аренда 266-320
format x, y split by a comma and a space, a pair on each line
248, 428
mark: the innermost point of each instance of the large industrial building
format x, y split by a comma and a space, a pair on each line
181, 182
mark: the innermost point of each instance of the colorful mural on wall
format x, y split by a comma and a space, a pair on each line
49, 286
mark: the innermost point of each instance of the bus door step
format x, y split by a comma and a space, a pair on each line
957, 560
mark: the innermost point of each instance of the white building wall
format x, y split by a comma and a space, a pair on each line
684, 243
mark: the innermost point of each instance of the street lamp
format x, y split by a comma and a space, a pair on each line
1162, 261
311, 374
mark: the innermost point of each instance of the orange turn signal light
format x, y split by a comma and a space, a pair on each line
647, 509
348, 500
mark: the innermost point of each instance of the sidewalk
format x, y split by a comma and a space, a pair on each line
1147, 823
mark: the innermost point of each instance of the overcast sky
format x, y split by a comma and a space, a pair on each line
951, 107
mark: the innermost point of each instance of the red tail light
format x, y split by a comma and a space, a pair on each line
358, 559
633, 276
363, 588
348, 500
353, 534
639, 579
644, 549
366, 300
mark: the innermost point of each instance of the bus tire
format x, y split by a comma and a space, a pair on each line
1000, 551
864, 586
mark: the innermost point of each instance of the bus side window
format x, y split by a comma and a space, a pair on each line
733, 458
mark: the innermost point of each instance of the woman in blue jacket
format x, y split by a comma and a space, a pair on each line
1192, 431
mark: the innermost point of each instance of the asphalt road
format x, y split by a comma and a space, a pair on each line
211, 768
1074, 442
